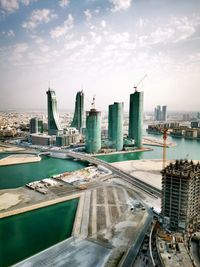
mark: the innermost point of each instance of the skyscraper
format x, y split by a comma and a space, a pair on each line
93, 131
181, 195
160, 114
164, 113
53, 120
36, 125
115, 125
136, 118
77, 121
33, 125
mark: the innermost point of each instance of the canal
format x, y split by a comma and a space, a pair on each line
13, 176
25, 234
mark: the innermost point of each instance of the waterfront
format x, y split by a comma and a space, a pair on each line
18, 175
184, 148
28, 233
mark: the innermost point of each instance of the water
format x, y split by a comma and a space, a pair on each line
184, 148
25, 234
18, 175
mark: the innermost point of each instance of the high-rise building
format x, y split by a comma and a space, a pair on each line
77, 121
40, 126
160, 114
53, 120
164, 113
181, 195
93, 131
33, 125
136, 118
115, 125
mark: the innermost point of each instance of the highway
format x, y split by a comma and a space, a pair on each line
145, 187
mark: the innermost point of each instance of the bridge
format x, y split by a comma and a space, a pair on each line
145, 187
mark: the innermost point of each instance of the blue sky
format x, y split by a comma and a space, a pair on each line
103, 47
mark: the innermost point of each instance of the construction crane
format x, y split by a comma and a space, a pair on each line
93, 103
135, 87
164, 146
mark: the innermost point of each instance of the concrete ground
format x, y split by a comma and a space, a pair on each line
110, 216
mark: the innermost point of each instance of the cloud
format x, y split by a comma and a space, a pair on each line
120, 4
103, 23
88, 14
63, 3
62, 30
9, 5
9, 33
37, 17
17, 51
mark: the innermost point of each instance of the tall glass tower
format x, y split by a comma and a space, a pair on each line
93, 131
77, 121
115, 125
136, 118
53, 120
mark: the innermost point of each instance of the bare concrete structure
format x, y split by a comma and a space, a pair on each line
181, 195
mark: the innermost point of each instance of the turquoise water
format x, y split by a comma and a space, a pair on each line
184, 148
18, 175
25, 234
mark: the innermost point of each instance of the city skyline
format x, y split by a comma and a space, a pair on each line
103, 47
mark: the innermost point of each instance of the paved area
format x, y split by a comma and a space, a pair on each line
73, 253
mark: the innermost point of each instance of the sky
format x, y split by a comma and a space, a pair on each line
104, 47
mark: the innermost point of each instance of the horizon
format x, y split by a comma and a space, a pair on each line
103, 47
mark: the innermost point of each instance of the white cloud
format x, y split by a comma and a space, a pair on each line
9, 33
37, 17
103, 23
62, 30
25, 2
17, 51
9, 5
119, 37
63, 3
88, 14
120, 4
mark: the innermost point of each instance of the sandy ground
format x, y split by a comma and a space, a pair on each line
19, 159
145, 170
8, 200
10, 149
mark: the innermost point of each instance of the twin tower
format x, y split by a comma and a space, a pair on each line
115, 123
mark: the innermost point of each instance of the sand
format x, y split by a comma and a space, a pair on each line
19, 159
8, 200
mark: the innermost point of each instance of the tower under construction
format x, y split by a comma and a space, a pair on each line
53, 120
115, 125
136, 117
77, 121
93, 131
180, 195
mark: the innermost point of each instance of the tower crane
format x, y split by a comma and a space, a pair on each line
135, 87
93, 102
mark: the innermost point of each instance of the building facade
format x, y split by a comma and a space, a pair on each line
181, 195
53, 120
93, 131
136, 118
77, 121
36, 125
115, 125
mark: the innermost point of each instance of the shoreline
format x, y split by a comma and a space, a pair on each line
19, 159
144, 149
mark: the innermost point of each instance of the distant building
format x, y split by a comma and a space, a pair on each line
115, 125
160, 114
136, 118
93, 131
77, 121
42, 139
194, 124
180, 195
33, 125
186, 117
53, 120
36, 125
